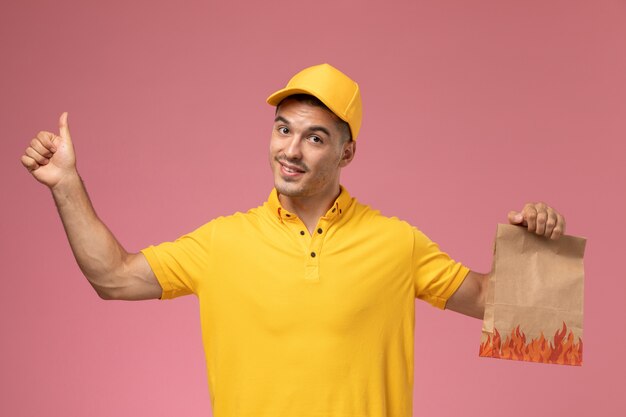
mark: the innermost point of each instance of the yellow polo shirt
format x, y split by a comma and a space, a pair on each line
300, 325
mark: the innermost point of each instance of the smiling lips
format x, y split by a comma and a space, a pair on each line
290, 169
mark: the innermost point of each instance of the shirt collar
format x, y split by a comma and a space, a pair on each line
339, 206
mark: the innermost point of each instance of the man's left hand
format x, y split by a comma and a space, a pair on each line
540, 219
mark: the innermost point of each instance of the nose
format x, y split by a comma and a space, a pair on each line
293, 149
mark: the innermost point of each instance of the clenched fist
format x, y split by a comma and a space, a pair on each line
50, 158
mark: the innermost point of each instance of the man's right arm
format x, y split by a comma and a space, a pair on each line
112, 271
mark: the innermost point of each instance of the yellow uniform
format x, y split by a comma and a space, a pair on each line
300, 325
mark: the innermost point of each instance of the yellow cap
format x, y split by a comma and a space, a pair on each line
332, 87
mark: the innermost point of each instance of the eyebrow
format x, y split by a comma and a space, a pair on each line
281, 119
313, 128
320, 129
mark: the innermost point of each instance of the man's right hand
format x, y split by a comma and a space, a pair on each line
114, 273
50, 158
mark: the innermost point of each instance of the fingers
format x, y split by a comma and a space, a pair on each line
559, 229
40, 151
44, 148
33, 154
46, 139
29, 163
530, 217
548, 221
541, 219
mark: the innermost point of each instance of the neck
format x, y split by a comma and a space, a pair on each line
309, 209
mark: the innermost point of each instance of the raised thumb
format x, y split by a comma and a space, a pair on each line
64, 128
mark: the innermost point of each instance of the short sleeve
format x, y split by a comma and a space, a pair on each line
436, 276
179, 265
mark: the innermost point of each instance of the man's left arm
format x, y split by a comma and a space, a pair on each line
538, 218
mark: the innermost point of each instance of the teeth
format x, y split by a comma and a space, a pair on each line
290, 170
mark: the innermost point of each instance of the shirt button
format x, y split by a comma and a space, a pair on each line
319, 231
312, 254
302, 232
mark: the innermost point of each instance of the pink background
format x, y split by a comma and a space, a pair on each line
471, 109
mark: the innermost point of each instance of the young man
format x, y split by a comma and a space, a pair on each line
307, 302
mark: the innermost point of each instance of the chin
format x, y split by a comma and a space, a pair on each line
289, 189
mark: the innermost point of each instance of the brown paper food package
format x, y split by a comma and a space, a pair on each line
534, 300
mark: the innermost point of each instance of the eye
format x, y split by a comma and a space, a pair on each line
316, 139
284, 130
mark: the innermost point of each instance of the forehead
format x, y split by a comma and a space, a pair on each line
302, 112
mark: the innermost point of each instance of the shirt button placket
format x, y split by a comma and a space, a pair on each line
314, 253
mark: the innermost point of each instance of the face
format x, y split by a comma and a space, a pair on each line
307, 151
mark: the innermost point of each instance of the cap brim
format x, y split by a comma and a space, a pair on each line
280, 95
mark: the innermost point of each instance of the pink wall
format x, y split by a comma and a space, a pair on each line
471, 109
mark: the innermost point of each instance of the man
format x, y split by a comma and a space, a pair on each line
306, 302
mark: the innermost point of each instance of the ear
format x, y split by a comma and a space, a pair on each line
349, 149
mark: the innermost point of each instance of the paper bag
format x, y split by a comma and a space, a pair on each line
534, 300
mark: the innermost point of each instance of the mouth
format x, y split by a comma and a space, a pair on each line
290, 169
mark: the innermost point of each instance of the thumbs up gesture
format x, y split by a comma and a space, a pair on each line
50, 157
